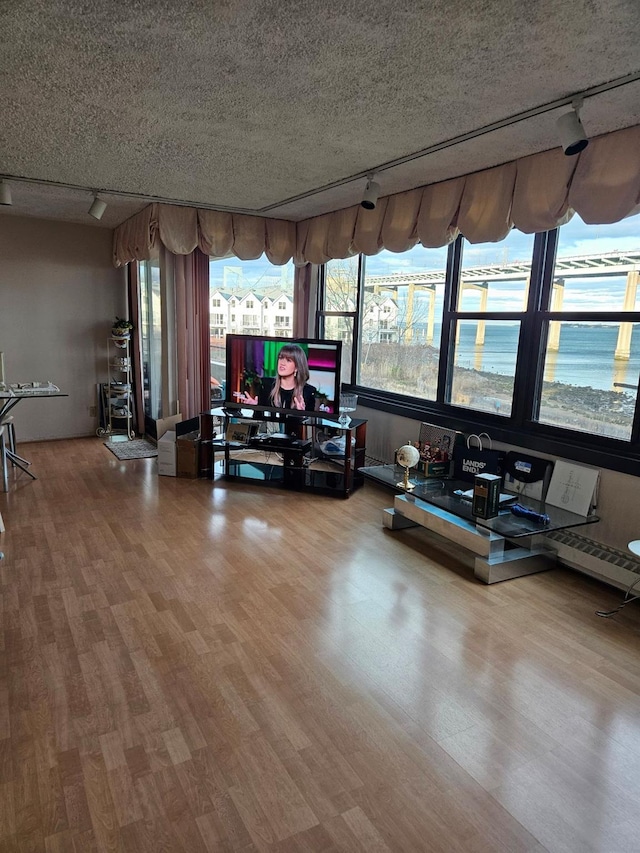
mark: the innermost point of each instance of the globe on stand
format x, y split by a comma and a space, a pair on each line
348, 403
407, 456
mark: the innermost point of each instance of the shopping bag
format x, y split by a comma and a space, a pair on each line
476, 456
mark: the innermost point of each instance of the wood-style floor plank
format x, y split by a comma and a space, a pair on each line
201, 667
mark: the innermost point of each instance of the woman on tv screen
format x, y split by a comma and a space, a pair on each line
290, 388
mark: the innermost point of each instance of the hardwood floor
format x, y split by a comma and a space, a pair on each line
204, 667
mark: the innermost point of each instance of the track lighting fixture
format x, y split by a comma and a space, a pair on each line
572, 136
5, 193
98, 207
371, 193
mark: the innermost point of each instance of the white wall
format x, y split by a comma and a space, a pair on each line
59, 294
618, 493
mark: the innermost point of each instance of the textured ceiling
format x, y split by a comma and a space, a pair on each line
272, 106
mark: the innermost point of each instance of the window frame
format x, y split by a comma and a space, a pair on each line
521, 428
353, 316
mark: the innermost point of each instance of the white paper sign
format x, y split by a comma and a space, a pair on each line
572, 487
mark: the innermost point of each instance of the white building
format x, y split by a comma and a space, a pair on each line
251, 313
380, 324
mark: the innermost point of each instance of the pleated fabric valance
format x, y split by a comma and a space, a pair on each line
536, 193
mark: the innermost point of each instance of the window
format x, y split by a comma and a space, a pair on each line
591, 331
151, 337
535, 339
282, 306
265, 282
341, 295
492, 298
484, 366
215, 303
403, 297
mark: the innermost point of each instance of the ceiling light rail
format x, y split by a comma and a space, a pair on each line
541, 109
5, 193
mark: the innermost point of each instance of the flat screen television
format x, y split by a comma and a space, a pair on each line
289, 376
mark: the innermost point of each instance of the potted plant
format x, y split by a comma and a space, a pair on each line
121, 332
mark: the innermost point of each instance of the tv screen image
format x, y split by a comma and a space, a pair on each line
272, 374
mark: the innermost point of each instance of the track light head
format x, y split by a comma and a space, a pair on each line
572, 134
371, 193
5, 193
98, 207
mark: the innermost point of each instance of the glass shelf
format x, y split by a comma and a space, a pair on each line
441, 493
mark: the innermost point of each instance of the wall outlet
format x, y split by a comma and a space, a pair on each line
93, 411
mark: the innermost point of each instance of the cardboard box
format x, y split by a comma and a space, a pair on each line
167, 454
187, 455
434, 469
188, 448
178, 449
164, 424
486, 495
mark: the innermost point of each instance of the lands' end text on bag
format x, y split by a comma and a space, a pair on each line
469, 460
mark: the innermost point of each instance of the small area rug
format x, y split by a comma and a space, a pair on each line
139, 448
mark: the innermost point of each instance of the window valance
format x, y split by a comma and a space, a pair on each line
535, 193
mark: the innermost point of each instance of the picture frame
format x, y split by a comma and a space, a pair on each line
436, 446
239, 433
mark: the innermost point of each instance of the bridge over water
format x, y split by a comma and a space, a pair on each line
479, 278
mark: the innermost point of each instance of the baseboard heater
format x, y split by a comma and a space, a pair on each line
607, 564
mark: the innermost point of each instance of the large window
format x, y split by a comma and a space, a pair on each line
151, 337
341, 295
535, 338
401, 321
592, 345
492, 293
257, 286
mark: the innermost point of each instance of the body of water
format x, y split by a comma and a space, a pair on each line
585, 356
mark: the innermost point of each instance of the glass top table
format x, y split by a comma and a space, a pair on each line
296, 417
441, 493
10, 396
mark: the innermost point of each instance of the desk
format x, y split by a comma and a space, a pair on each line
506, 546
8, 401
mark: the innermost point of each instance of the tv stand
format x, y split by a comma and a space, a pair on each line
313, 454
